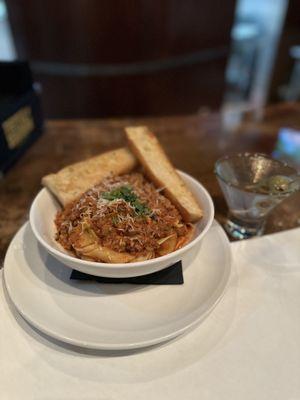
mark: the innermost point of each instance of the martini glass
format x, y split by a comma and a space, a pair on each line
253, 184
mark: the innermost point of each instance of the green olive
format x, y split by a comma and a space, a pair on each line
275, 184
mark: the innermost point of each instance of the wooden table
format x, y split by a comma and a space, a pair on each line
193, 143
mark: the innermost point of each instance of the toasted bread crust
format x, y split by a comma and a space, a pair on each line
160, 170
73, 180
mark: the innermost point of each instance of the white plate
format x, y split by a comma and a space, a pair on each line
107, 316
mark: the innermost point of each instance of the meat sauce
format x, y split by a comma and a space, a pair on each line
127, 213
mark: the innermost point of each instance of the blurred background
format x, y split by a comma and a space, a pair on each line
232, 64
101, 58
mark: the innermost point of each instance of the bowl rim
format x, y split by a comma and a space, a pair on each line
133, 265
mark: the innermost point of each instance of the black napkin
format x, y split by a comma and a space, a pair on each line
169, 276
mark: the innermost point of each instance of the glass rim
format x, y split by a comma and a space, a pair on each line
251, 154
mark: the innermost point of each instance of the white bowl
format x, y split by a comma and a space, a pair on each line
45, 207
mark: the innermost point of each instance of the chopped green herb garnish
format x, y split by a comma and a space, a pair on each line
115, 220
126, 193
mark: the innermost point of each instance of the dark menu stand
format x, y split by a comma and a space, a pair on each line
21, 119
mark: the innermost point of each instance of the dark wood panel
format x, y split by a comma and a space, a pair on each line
177, 91
110, 31
94, 33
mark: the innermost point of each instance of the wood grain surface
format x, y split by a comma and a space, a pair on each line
193, 143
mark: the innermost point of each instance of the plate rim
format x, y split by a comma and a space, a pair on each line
221, 288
